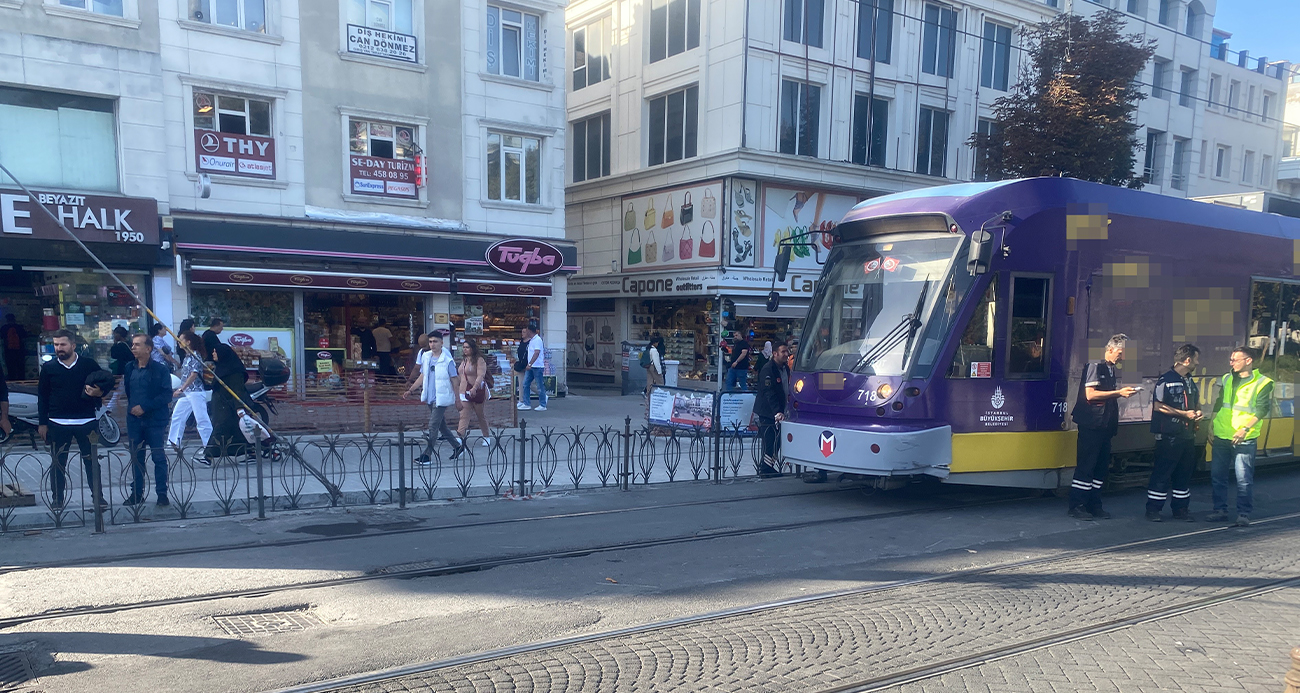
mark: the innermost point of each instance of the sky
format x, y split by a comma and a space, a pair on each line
1268, 28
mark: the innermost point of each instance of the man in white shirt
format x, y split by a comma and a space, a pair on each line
384, 347
536, 368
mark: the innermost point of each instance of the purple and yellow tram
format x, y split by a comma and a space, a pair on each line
950, 326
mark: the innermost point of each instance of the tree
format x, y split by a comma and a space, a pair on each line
1071, 113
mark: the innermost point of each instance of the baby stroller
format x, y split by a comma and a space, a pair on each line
272, 373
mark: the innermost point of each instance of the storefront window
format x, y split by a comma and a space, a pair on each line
90, 304
342, 344
258, 324
497, 324
689, 328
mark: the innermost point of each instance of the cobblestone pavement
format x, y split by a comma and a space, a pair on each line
1238, 646
833, 642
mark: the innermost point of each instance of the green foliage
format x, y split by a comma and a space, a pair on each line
1071, 113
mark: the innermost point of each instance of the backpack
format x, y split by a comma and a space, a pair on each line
645, 358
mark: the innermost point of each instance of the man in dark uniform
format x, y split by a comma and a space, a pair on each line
769, 406
1096, 411
1175, 411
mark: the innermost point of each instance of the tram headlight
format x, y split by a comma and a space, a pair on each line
884, 391
798, 386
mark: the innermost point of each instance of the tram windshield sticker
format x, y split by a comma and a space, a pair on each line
981, 369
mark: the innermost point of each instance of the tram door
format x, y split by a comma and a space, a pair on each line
1275, 331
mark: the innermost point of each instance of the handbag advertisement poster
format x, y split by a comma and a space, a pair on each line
672, 228
789, 213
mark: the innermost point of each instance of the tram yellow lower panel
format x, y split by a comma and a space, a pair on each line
1279, 432
1010, 451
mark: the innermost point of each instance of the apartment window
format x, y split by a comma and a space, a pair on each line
513, 44
386, 15
932, 142
875, 27
109, 7
590, 147
1204, 159
381, 159
1222, 161
1178, 176
249, 15
988, 161
1265, 170
1159, 68
1168, 12
1154, 157
1192, 25
938, 40
1250, 100
1134, 7
1218, 46
1213, 95
673, 125
591, 50
995, 62
674, 27
57, 140
232, 135
1187, 88
1234, 89
804, 20
1266, 106
800, 115
1247, 167
870, 130
1290, 141
514, 168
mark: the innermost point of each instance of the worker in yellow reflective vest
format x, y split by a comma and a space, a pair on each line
1245, 400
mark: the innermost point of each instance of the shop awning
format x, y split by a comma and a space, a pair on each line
296, 244
790, 308
342, 281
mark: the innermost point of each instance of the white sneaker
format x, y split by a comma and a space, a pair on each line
487, 442
540, 408
523, 407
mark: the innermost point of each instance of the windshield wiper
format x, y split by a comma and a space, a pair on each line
904, 331
916, 322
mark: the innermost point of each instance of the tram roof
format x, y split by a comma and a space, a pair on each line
968, 201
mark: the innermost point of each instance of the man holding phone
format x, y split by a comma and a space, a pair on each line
1096, 411
1245, 400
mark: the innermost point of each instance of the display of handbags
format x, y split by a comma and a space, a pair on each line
629, 218
709, 247
709, 205
668, 214
670, 253
650, 216
688, 210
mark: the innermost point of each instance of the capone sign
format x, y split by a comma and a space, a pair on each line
523, 257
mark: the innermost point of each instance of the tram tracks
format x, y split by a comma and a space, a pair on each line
418, 571
891, 679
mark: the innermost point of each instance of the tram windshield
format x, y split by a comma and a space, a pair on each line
872, 303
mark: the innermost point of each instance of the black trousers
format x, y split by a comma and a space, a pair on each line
1171, 478
1091, 467
60, 439
770, 432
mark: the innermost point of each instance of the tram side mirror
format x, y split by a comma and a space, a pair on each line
773, 301
782, 263
981, 252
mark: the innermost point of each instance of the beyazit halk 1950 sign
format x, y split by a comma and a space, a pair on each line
522, 257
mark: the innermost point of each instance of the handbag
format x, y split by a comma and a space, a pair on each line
688, 210
634, 256
669, 251
650, 217
687, 245
629, 219
651, 249
708, 248
478, 395
709, 206
668, 215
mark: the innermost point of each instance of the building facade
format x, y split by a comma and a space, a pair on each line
318, 167
82, 126
706, 131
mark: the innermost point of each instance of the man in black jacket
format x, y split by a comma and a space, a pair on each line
1096, 411
67, 408
148, 392
769, 406
1175, 409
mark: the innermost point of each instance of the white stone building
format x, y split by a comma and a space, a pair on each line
785, 113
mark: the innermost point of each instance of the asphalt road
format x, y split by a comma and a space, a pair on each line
731, 546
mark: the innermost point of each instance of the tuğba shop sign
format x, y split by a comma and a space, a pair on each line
524, 257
